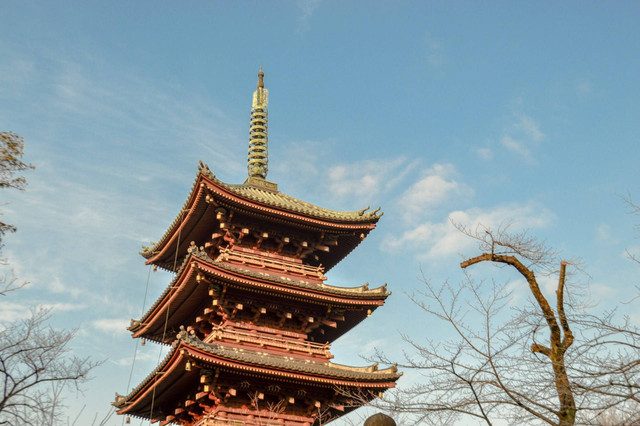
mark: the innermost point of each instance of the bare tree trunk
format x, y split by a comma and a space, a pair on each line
559, 343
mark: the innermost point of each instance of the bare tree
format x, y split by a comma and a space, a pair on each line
35, 364
537, 362
11, 153
35, 369
634, 209
267, 412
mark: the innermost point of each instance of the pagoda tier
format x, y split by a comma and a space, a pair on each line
211, 384
255, 214
258, 294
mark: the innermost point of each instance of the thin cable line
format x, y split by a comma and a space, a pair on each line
135, 352
166, 318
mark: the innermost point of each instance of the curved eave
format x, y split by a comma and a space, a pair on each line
195, 207
362, 376
354, 220
171, 372
185, 288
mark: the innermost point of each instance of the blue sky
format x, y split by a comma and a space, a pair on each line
482, 112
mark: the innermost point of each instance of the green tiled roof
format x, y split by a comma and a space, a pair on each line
261, 191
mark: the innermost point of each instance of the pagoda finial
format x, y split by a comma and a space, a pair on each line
261, 78
258, 160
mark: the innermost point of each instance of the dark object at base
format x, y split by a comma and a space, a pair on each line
380, 420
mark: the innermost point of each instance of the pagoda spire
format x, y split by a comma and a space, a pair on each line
258, 160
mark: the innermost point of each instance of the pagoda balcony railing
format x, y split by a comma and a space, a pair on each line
221, 421
262, 417
263, 340
270, 261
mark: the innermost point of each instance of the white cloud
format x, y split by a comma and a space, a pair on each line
522, 136
101, 187
529, 128
364, 180
604, 235
147, 356
435, 186
431, 240
485, 154
111, 325
519, 291
61, 306
10, 311
435, 52
307, 8
516, 146
601, 292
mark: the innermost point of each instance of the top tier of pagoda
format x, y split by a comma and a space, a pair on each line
256, 214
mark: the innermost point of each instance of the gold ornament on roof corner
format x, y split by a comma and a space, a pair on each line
258, 161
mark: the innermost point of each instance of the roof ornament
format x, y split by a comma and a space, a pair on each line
258, 161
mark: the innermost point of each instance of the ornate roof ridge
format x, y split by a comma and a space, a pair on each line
361, 215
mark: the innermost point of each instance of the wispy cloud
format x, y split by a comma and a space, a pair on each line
145, 357
364, 180
584, 87
16, 72
484, 153
436, 185
433, 240
111, 325
604, 235
131, 136
63, 306
435, 52
528, 127
306, 8
11, 311
521, 136
517, 146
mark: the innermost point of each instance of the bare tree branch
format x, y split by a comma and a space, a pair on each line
36, 366
533, 363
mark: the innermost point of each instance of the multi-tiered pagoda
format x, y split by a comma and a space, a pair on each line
248, 315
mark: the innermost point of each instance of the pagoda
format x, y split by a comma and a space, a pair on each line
248, 314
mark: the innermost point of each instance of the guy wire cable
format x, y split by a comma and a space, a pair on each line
135, 351
166, 318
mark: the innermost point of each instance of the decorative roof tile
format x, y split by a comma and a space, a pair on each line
275, 198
